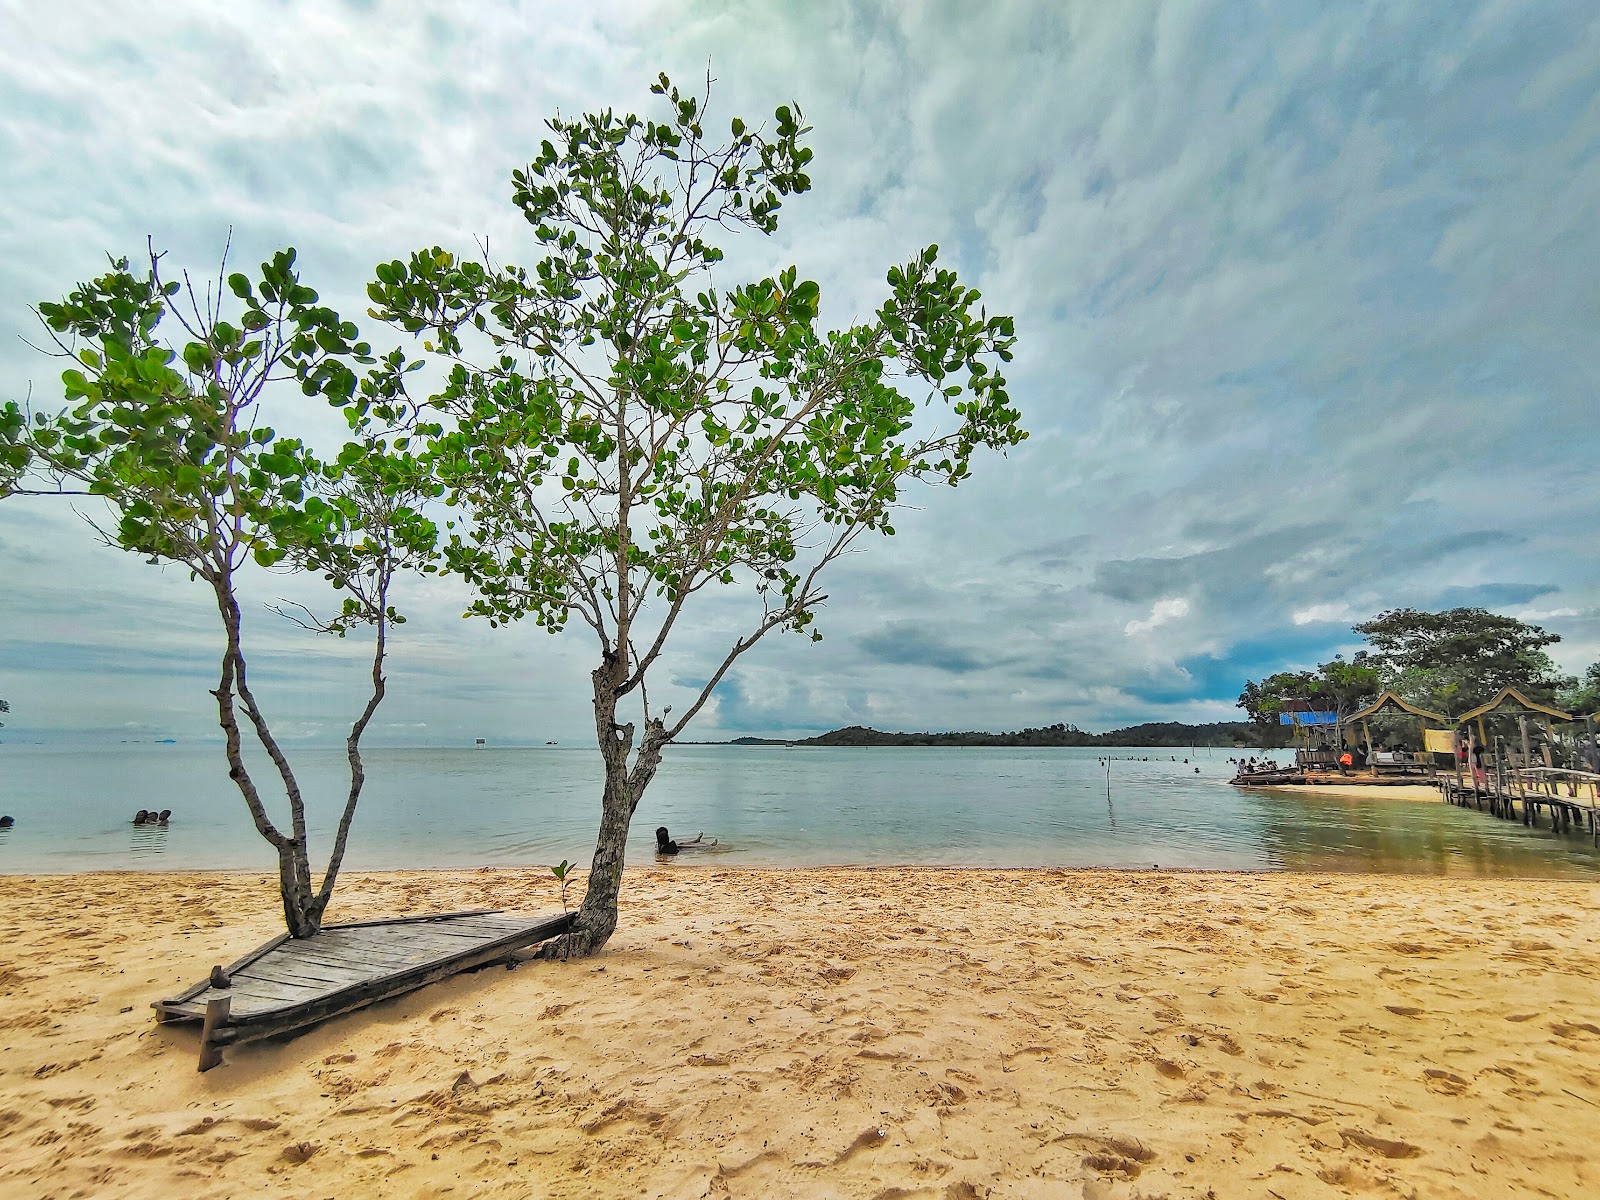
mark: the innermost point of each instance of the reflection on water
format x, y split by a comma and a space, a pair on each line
148, 840
1310, 832
769, 806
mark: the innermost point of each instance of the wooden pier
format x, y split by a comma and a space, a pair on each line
1525, 794
288, 984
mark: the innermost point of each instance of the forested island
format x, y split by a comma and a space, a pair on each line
1152, 733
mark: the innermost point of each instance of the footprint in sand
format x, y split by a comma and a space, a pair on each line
1565, 1029
1445, 1083
1388, 1147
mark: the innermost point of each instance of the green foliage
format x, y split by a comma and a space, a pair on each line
1455, 660
1446, 662
1335, 686
15, 456
622, 430
166, 422
563, 873
172, 432
1581, 697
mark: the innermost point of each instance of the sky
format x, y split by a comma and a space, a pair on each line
1305, 302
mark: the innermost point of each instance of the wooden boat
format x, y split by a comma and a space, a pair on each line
288, 983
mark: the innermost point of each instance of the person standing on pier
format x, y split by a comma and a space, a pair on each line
1480, 777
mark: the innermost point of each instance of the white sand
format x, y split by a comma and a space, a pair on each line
821, 1033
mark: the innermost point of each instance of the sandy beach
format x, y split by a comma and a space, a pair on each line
874, 1033
1356, 791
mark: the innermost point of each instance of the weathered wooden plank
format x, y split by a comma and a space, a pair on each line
248, 994
238, 964
370, 958
306, 981
453, 929
340, 956
492, 920
336, 1005
387, 921
246, 1008
230, 969
300, 974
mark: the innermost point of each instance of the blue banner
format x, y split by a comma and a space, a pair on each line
1308, 718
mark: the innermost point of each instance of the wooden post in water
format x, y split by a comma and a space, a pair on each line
1530, 812
1594, 784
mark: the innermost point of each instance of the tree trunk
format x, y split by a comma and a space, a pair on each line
302, 914
358, 771
597, 917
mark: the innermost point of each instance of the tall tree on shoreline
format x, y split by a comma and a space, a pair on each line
166, 423
1455, 660
625, 433
1447, 662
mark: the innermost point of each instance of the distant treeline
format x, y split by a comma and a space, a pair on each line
1152, 733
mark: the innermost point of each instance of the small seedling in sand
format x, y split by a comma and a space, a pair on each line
563, 873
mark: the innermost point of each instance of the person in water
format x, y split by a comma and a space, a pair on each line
665, 844
7, 822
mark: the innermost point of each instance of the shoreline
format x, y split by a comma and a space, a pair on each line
1354, 791
540, 873
911, 1032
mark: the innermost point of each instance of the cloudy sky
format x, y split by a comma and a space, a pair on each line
1306, 300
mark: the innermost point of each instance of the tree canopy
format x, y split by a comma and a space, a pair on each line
168, 415
1447, 662
624, 429
1581, 697
1335, 686
1455, 660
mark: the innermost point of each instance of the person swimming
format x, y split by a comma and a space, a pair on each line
665, 844
7, 822
140, 817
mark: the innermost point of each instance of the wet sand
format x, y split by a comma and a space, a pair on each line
1356, 791
877, 1033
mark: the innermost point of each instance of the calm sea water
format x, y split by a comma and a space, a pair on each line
769, 806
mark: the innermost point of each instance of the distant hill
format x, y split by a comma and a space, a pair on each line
1151, 733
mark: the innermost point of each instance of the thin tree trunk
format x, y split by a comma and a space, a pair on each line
291, 786
597, 916
293, 877
358, 773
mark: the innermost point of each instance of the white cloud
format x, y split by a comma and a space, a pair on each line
1161, 613
1290, 289
1322, 613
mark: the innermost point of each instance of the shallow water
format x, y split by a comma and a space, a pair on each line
769, 806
